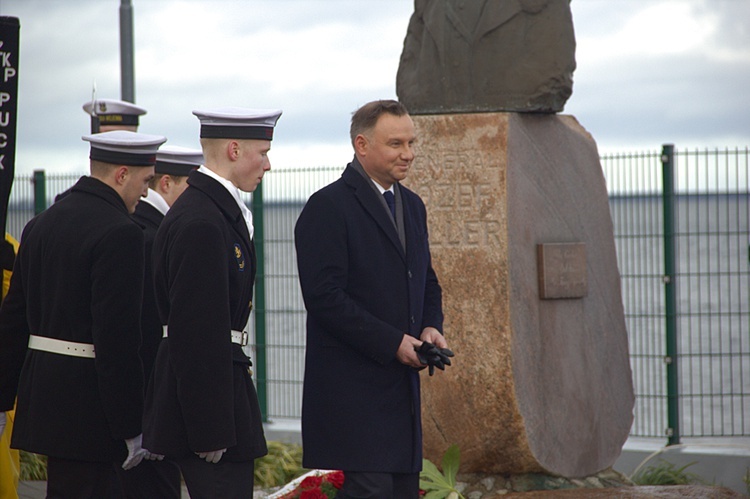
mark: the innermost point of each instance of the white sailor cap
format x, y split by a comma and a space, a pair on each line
114, 112
176, 160
237, 123
121, 147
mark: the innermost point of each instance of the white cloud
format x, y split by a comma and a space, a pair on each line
654, 72
190, 43
647, 30
648, 70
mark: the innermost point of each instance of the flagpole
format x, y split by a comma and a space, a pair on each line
127, 70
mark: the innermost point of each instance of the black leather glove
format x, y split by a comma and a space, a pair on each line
433, 356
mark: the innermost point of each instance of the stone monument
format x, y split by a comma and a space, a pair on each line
522, 241
487, 55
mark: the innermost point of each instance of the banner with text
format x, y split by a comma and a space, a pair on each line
9, 35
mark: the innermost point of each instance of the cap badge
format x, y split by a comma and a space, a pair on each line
102, 106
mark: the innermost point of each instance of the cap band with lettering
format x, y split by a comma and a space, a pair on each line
236, 132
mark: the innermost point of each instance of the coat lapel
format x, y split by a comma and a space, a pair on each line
147, 216
457, 23
367, 198
495, 14
434, 22
226, 204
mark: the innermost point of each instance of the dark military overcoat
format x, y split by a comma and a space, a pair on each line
149, 218
201, 396
78, 277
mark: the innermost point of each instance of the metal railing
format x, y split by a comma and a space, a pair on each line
681, 233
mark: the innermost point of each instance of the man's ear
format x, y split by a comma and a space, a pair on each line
121, 174
165, 182
233, 150
360, 145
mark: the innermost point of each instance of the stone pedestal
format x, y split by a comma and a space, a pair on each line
522, 242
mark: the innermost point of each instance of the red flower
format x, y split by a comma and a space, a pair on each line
311, 482
317, 486
313, 494
335, 478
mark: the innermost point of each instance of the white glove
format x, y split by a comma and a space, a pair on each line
212, 457
3, 420
136, 453
153, 457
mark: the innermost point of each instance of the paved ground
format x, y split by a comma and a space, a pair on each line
38, 490
640, 492
31, 490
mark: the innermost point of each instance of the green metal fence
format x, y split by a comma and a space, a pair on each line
681, 232
284, 192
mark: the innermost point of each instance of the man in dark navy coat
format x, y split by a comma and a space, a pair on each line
173, 164
201, 406
372, 298
70, 327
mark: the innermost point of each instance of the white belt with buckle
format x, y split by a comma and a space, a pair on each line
238, 337
62, 347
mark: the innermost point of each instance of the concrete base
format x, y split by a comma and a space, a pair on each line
717, 461
720, 461
288, 431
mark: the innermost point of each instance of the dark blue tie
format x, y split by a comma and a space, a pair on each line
391, 200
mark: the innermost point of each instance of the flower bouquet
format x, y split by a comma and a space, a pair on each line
316, 484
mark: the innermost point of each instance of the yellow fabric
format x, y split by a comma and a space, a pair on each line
10, 459
8, 273
6, 281
10, 462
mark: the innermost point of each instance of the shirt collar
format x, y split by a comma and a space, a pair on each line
157, 201
235, 192
380, 187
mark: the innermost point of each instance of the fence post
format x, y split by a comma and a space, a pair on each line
260, 303
673, 401
40, 192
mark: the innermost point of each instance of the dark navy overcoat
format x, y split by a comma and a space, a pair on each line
363, 291
201, 396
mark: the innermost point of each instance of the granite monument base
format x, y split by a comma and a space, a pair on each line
522, 241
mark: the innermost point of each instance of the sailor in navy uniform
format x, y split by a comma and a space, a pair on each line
70, 325
109, 115
201, 406
173, 164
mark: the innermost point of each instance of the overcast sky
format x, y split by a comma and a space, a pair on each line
649, 71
